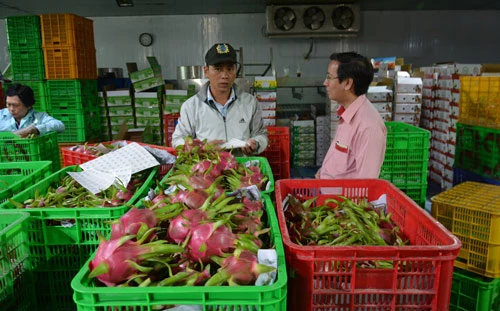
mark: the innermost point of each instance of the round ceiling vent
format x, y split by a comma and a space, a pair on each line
343, 17
285, 18
314, 18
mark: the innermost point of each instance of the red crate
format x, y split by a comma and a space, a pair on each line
278, 151
328, 278
74, 158
169, 123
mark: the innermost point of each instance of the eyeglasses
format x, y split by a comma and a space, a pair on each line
330, 78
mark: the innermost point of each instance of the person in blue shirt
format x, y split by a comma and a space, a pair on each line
20, 118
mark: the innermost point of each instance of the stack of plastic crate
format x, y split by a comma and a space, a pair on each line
68, 46
477, 150
74, 102
406, 159
470, 211
26, 55
277, 152
71, 72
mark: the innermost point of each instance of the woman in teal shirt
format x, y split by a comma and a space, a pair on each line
20, 117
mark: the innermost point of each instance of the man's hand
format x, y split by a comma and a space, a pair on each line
318, 173
24, 132
250, 148
217, 142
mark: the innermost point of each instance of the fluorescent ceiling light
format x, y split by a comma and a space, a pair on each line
124, 3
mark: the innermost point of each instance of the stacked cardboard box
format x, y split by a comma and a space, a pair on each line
265, 91
381, 97
408, 100
441, 97
323, 138
303, 143
147, 78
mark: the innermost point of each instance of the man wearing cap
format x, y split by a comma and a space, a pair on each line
20, 118
221, 111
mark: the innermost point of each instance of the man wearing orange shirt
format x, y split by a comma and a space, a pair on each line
358, 148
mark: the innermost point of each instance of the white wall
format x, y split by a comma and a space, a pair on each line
421, 37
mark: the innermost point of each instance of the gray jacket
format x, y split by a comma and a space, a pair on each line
201, 119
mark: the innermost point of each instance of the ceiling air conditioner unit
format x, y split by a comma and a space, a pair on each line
331, 20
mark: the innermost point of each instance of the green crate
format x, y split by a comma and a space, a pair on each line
40, 148
23, 32
80, 125
17, 290
259, 298
72, 94
406, 155
17, 176
471, 292
416, 192
478, 150
27, 64
58, 250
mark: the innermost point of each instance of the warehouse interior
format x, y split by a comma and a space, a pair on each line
116, 73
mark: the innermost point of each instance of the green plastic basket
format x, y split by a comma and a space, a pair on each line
256, 298
27, 64
17, 176
41, 148
471, 292
59, 249
17, 291
406, 155
265, 169
23, 32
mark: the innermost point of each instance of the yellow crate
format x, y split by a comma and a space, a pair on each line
471, 211
480, 101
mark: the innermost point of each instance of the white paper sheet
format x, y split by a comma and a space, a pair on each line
114, 167
132, 155
233, 143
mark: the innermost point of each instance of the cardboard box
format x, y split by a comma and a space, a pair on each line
266, 96
382, 107
269, 114
408, 98
139, 75
409, 85
265, 83
468, 69
379, 94
269, 122
267, 105
407, 108
148, 84
322, 121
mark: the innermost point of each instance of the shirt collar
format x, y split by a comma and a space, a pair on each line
348, 114
232, 97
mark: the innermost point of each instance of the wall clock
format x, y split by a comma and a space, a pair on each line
146, 39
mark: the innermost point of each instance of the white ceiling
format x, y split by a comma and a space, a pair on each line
94, 8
